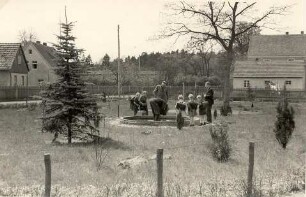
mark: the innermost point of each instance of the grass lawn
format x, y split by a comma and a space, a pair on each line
191, 171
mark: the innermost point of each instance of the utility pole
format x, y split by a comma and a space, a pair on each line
118, 63
139, 63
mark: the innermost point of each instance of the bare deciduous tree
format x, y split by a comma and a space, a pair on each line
205, 51
25, 36
242, 41
218, 22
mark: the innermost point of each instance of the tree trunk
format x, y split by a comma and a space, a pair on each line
69, 130
227, 81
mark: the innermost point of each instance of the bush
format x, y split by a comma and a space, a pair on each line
215, 114
284, 124
225, 111
220, 148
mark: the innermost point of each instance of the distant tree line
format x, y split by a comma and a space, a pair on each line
175, 67
197, 63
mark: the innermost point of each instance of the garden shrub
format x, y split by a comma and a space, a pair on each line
225, 111
215, 113
220, 148
284, 124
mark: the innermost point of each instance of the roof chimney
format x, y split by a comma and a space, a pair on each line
38, 42
287, 33
302, 32
45, 44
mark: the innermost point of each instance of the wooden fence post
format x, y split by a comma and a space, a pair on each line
47, 160
43, 103
118, 111
159, 159
251, 167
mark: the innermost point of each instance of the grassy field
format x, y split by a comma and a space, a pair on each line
191, 171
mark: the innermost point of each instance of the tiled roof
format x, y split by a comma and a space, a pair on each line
8, 53
277, 45
253, 69
49, 53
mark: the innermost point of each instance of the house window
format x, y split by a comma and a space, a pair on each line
246, 83
290, 59
15, 80
19, 59
22, 80
30, 51
288, 82
34, 64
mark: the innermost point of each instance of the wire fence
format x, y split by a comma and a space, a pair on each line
14, 93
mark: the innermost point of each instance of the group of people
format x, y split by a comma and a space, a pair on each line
200, 106
139, 103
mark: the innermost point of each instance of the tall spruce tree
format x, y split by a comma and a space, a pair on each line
70, 110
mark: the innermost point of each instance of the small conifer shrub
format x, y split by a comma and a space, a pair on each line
284, 124
225, 111
215, 114
220, 148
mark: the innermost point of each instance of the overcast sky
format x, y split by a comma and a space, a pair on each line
97, 20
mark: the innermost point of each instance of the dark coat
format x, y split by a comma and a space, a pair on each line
161, 92
134, 103
192, 108
202, 108
209, 97
143, 103
181, 106
158, 106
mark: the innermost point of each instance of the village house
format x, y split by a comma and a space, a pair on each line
13, 65
41, 60
273, 59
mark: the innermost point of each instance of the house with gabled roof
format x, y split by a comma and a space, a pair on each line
13, 65
42, 59
273, 59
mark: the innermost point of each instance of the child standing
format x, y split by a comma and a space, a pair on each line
180, 108
180, 105
202, 109
192, 108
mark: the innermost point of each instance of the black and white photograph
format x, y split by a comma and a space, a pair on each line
152, 98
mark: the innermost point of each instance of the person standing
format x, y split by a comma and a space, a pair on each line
192, 108
209, 97
161, 91
202, 109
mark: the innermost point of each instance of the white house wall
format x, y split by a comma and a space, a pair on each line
43, 72
19, 79
296, 83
